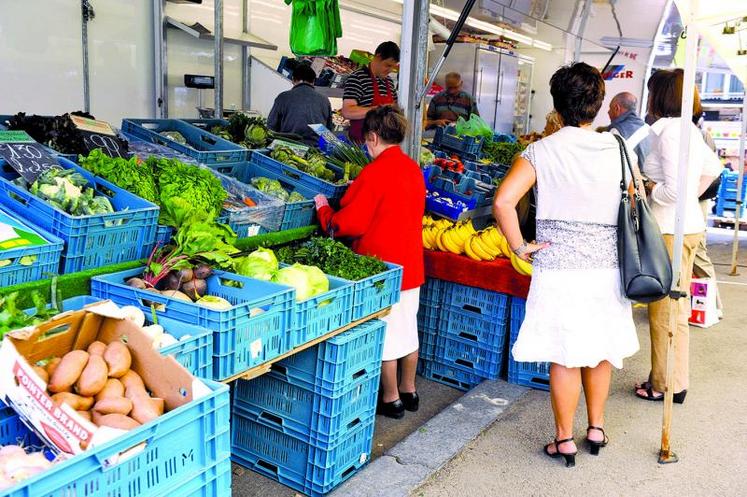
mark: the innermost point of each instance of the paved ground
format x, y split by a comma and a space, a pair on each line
709, 430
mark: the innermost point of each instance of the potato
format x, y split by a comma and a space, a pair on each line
118, 358
68, 371
77, 402
85, 415
119, 421
93, 378
132, 380
97, 348
113, 405
113, 388
146, 409
52, 365
42, 373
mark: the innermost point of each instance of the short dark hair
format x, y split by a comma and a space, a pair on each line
665, 94
388, 122
304, 72
388, 50
577, 93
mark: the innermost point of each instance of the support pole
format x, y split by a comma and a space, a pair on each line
414, 43
677, 292
740, 179
246, 99
581, 30
160, 100
86, 15
218, 59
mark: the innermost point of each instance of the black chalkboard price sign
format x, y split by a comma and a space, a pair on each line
99, 134
27, 157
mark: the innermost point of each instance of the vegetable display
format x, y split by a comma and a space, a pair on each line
58, 132
333, 258
314, 163
501, 152
68, 191
262, 264
249, 132
274, 188
13, 318
99, 384
350, 158
180, 190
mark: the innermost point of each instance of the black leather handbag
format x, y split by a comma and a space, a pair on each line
645, 266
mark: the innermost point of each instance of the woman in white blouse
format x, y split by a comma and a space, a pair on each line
665, 106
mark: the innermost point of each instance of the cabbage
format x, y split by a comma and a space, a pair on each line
308, 281
260, 264
317, 279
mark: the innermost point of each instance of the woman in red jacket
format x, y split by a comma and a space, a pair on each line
382, 212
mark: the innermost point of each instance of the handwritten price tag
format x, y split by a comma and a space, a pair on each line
23, 154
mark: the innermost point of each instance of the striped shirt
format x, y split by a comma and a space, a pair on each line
359, 87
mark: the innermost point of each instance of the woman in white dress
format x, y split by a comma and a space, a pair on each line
577, 317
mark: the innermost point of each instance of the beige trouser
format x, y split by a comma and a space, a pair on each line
658, 320
703, 266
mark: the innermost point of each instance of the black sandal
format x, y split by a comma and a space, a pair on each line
678, 398
570, 459
594, 445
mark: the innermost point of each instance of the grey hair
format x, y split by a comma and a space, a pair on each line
627, 100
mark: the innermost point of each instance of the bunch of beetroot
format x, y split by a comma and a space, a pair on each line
186, 284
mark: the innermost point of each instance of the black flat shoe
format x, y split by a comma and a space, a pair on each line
570, 458
394, 410
410, 400
594, 445
678, 398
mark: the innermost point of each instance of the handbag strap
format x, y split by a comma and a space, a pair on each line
625, 159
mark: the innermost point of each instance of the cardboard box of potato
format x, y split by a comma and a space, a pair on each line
58, 424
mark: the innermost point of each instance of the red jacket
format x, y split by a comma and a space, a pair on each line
383, 212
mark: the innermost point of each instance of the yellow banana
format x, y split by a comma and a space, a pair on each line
470, 227
461, 232
439, 242
521, 266
487, 246
426, 244
477, 248
487, 238
468, 250
450, 243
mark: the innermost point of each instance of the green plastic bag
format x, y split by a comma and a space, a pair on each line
476, 126
315, 27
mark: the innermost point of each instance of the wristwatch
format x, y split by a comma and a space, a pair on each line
521, 249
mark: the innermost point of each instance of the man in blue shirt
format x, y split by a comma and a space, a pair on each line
625, 121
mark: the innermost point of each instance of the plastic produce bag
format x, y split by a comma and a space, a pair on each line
315, 27
476, 126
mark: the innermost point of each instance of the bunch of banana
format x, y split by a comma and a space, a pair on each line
486, 245
432, 228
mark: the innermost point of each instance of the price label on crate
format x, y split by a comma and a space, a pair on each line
99, 134
27, 157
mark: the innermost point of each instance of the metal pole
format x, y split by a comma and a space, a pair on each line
665, 453
245, 53
740, 180
449, 43
581, 29
86, 15
218, 59
160, 101
414, 43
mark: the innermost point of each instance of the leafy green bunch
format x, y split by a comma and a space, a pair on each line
333, 258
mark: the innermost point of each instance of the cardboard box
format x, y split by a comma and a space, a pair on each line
65, 431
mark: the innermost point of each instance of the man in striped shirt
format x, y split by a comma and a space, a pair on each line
370, 87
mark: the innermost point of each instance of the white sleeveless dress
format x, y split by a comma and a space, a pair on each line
576, 313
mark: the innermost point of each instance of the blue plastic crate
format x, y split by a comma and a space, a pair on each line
323, 313
202, 146
179, 447
14, 432
530, 374
309, 416
427, 343
45, 264
485, 331
486, 303
195, 353
163, 235
447, 375
468, 147
298, 215
377, 292
465, 354
215, 481
336, 365
299, 177
431, 291
90, 241
296, 464
429, 317
254, 330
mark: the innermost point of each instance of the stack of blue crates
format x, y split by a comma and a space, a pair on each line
309, 422
471, 335
528, 374
727, 194
429, 314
